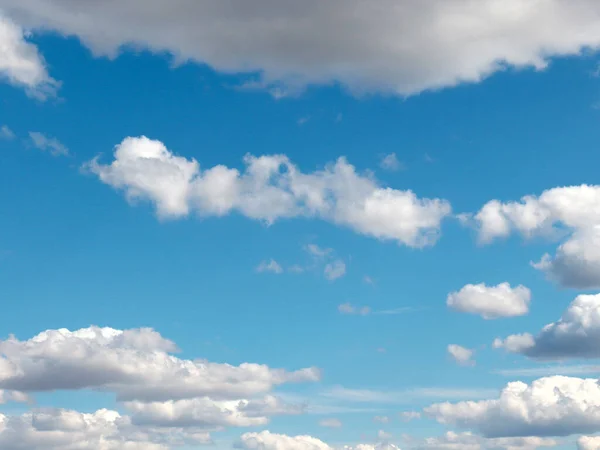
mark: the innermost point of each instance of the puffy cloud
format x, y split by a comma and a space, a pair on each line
461, 355
20, 62
270, 188
575, 335
365, 46
266, 440
577, 261
13, 396
331, 423
588, 443
269, 266
390, 162
101, 430
50, 144
491, 302
6, 133
135, 364
469, 441
335, 269
551, 406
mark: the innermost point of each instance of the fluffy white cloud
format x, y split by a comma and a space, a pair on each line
50, 144
469, 441
588, 443
461, 355
269, 266
135, 364
270, 188
551, 406
265, 440
20, 62
366, 46
577, 261
491, 302
101, 430
575, 335
331, 423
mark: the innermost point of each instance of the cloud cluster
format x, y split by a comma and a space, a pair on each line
469, 441
270, 188
491, 302
265, 440
551, 406
575, 335
365, 46
20, 62
572, 210
588, 443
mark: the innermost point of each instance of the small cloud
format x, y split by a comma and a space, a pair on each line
461, 355
390, 162
6, 133
269, 266
330, 423
381, 350
381, 419
45, 143
339, 118
302, 120
317, 251
296, 269
367, 279
395, 311
429, 159
274, 90
335, 270
347, 308
383, 435
407, 416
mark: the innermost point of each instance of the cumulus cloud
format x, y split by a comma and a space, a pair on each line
269, 266
577, 261
331, 423
491, 302
588, 443
461, 355
551, 406
270, 188
575, 335
49, 144
469, 441
20, 62
265, 440
365, 46
135, 364
105, 430
390, 162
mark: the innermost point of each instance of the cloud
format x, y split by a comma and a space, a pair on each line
577, 261
270, 188
365, 47
347, 308
381, 419
551, 406
20, 62
491, 302
265, 440
588, 443
469, 441
318, 252
543, 371
335, 270
58, 429
269, 266
461, 355
407, 416
402, 396
44, 143
330, 423
390, 162
575, 335
6, 133
135, 364
383, 435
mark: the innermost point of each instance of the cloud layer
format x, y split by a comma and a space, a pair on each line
270, 188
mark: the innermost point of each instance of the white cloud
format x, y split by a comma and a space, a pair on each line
577, 261
383, 435
270, 188
365, 46
266, 440
402, 396
575, 335
335, 269
6, 133
551, 406
469, 441
45, 143
491, 302
381, 419
318, 252
134, 364
461, 355
347, 308
588, 443
101, 430
20, 62
330, 423
269, 266
544, 371
407, 416
390, 162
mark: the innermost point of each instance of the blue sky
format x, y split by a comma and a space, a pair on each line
355, 288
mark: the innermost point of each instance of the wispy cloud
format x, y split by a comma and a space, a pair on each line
390, 162
46, 143
406, 396
269, 266
348, 308
6, 133
582, 369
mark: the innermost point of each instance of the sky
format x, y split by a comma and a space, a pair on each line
282, 225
